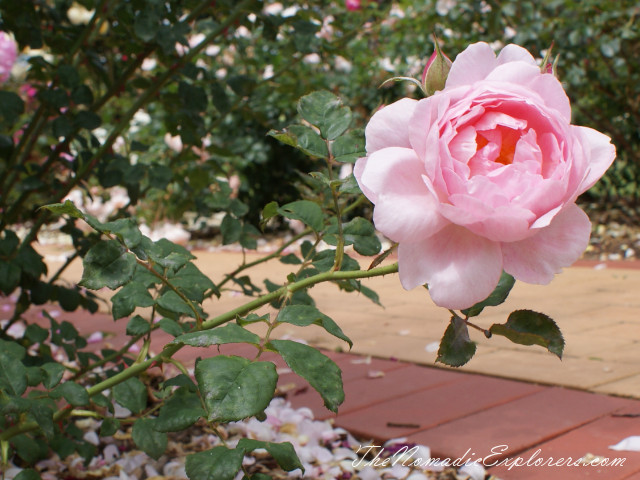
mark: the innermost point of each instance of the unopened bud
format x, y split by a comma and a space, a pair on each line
548, 65
435, 73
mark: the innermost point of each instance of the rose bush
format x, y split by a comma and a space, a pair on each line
482, 177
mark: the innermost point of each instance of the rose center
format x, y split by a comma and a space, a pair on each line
504, 138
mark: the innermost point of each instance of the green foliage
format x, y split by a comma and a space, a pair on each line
304, 315
219, 463
131, 394
234, 388
148, 439
230, 333
315, 367
531, 328
179, 412
283, 453
456, 347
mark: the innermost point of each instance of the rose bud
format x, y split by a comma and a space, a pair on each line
434, 75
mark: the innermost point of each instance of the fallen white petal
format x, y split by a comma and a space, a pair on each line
629, 444
475, 471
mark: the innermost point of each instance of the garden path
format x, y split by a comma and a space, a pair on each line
521, 397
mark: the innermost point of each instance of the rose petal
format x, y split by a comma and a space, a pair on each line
472, 65
519, 73
515, 53
538, 258
389, 126
358, 170
460, 267
554, 96
599, 153
405, 208
424, 133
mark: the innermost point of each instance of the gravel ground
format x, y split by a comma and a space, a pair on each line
615, 233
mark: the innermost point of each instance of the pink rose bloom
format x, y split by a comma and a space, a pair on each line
352, 5
8, 55
482, 177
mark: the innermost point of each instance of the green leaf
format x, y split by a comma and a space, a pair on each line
13, 374
192, 282
170, 255
138, 326
456, 348
234, 388
192, 97
125, 229
324, 110
249, 237
290, 259
172, 302
497, 297
131, 394
35, 333
68, 298
43, 416
11, 107
170, 326
13, 349
325, 260
66, 208
82, 95
304, 315
358, 232
231, 229
131, 296
9, 277
145, 25
230, 333
252, 318
52, 374
28, 474
61, 127
315, 367
63, 445
107, 264
527, 327
55, 98
148, 439
304, 210
179, 412
303, 138
86, 119
349, 147
257, 476
109, 426
219, 97
268, 212
29, 449
369, 293
242, 85
72, 393
68, 76
34, 376
283, 453
219, 463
